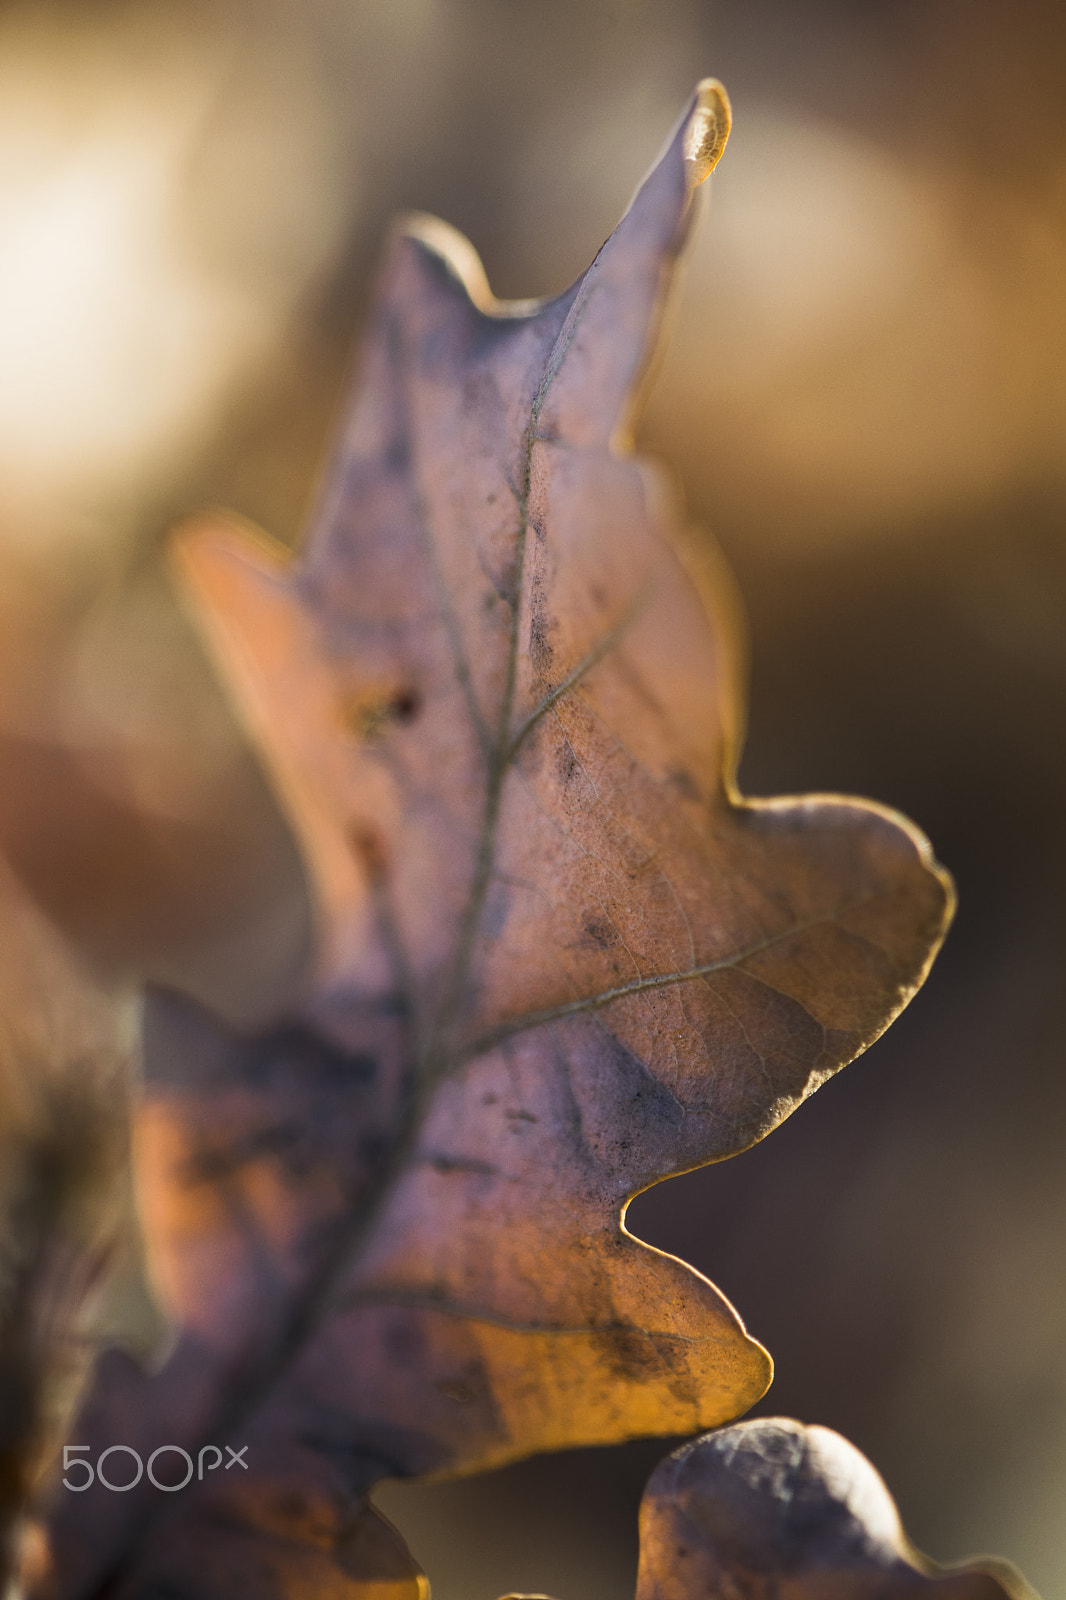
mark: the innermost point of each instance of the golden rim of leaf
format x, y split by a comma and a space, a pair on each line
708, 129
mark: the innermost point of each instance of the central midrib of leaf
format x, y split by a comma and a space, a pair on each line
438, 1053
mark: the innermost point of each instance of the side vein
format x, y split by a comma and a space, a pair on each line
656, 980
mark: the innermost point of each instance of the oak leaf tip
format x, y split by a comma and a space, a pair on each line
444, 244
204, 549
707, 130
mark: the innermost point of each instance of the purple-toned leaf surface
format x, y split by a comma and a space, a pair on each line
559, 957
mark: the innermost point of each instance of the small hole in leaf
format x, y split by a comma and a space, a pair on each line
406, 705
367, 716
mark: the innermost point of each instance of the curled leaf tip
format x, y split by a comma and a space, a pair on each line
707, 131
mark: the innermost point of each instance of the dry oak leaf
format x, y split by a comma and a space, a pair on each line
773, 1510
560, 958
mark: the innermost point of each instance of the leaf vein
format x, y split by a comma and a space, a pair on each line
653, 981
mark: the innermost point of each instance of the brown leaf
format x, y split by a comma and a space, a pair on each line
560, 958
62, 1154
771, 1510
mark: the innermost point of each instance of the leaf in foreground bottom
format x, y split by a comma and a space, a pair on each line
560, 958
771, 1510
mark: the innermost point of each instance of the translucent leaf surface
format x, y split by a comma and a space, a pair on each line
560, 958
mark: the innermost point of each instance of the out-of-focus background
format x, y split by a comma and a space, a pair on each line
865, 399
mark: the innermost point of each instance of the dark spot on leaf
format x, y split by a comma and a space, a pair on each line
566, 763
369, 714
446, 1164
406, 705
540, 648
598, 932
685, 782
629, 1353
